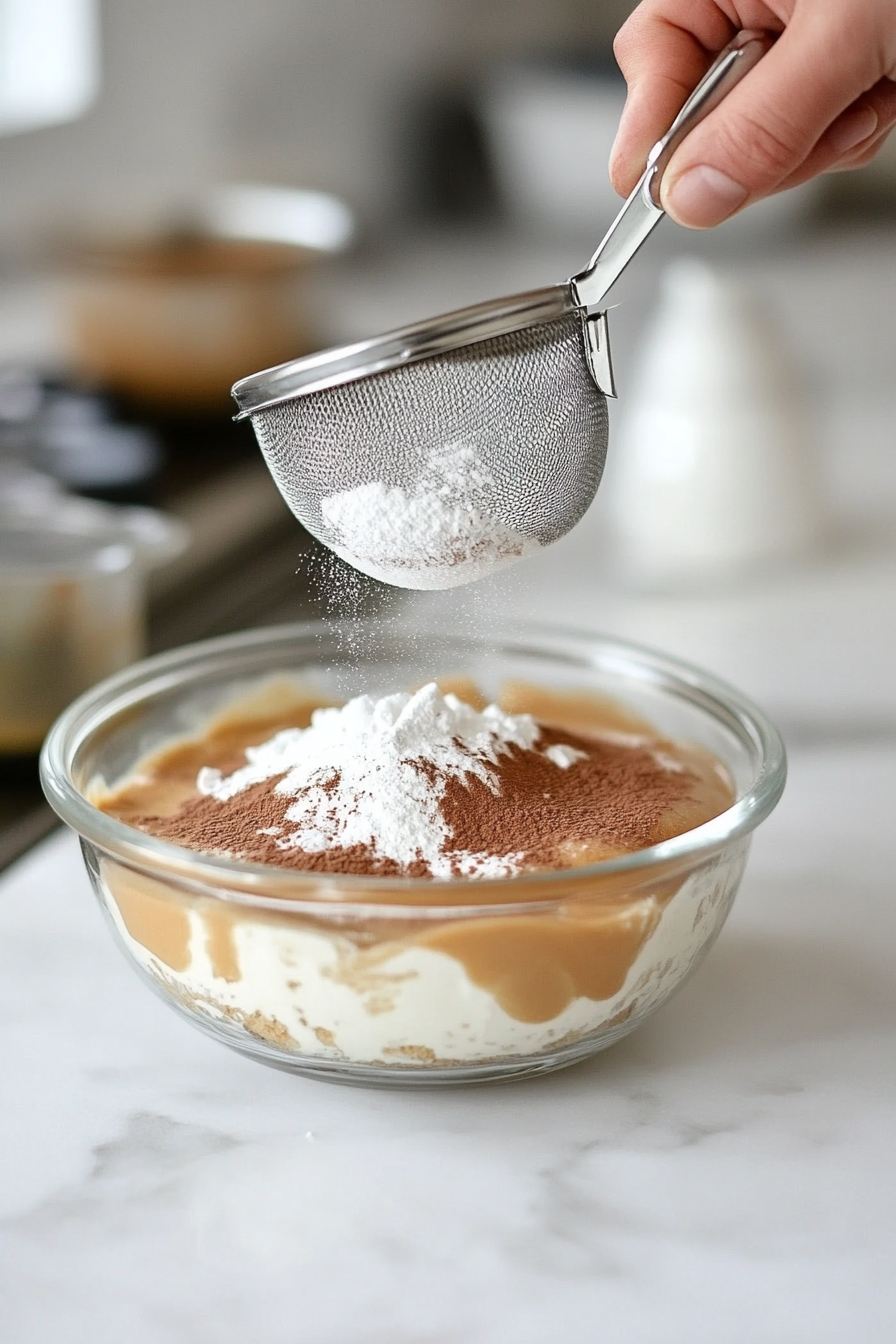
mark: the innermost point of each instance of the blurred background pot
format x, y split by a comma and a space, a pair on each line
172, 321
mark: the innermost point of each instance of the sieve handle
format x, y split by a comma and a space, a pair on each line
642, 212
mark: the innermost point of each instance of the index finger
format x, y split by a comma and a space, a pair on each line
663, 58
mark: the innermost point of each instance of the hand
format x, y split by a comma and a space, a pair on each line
823, 99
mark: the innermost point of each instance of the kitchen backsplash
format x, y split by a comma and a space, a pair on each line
310, 92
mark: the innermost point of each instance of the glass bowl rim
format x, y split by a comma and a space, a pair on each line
256, 885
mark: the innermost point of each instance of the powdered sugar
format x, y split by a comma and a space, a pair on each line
564, 756
373, 773
435, 534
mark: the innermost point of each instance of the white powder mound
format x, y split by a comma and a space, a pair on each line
436, 534
564, 756
355, 776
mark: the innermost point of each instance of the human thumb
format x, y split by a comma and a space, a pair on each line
767, 126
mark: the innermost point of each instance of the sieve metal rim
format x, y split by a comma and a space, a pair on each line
407, 345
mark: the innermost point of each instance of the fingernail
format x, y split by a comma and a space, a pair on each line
852, 128
702, 197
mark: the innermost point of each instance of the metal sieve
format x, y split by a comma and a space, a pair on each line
471, 439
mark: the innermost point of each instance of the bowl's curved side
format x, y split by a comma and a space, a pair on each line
395, 1003
431, 983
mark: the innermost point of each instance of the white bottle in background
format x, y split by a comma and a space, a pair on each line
716, 470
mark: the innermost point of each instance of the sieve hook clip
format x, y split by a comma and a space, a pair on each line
596, 330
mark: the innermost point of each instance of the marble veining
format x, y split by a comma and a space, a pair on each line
724, 1173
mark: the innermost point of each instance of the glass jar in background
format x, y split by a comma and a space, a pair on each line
72, 602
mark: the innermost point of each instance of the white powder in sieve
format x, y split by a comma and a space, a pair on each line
435, 534
355, 776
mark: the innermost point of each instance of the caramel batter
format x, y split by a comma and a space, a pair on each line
153, 914
535, 963
167, 777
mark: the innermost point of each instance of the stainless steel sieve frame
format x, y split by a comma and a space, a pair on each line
583, 294
422, 340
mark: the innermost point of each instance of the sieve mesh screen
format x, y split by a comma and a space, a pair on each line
524, 403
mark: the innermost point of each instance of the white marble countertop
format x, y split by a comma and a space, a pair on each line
724, 1174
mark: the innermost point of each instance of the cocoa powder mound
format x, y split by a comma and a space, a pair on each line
237, 829
614, 797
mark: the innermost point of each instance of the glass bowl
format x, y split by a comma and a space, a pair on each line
405, 981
